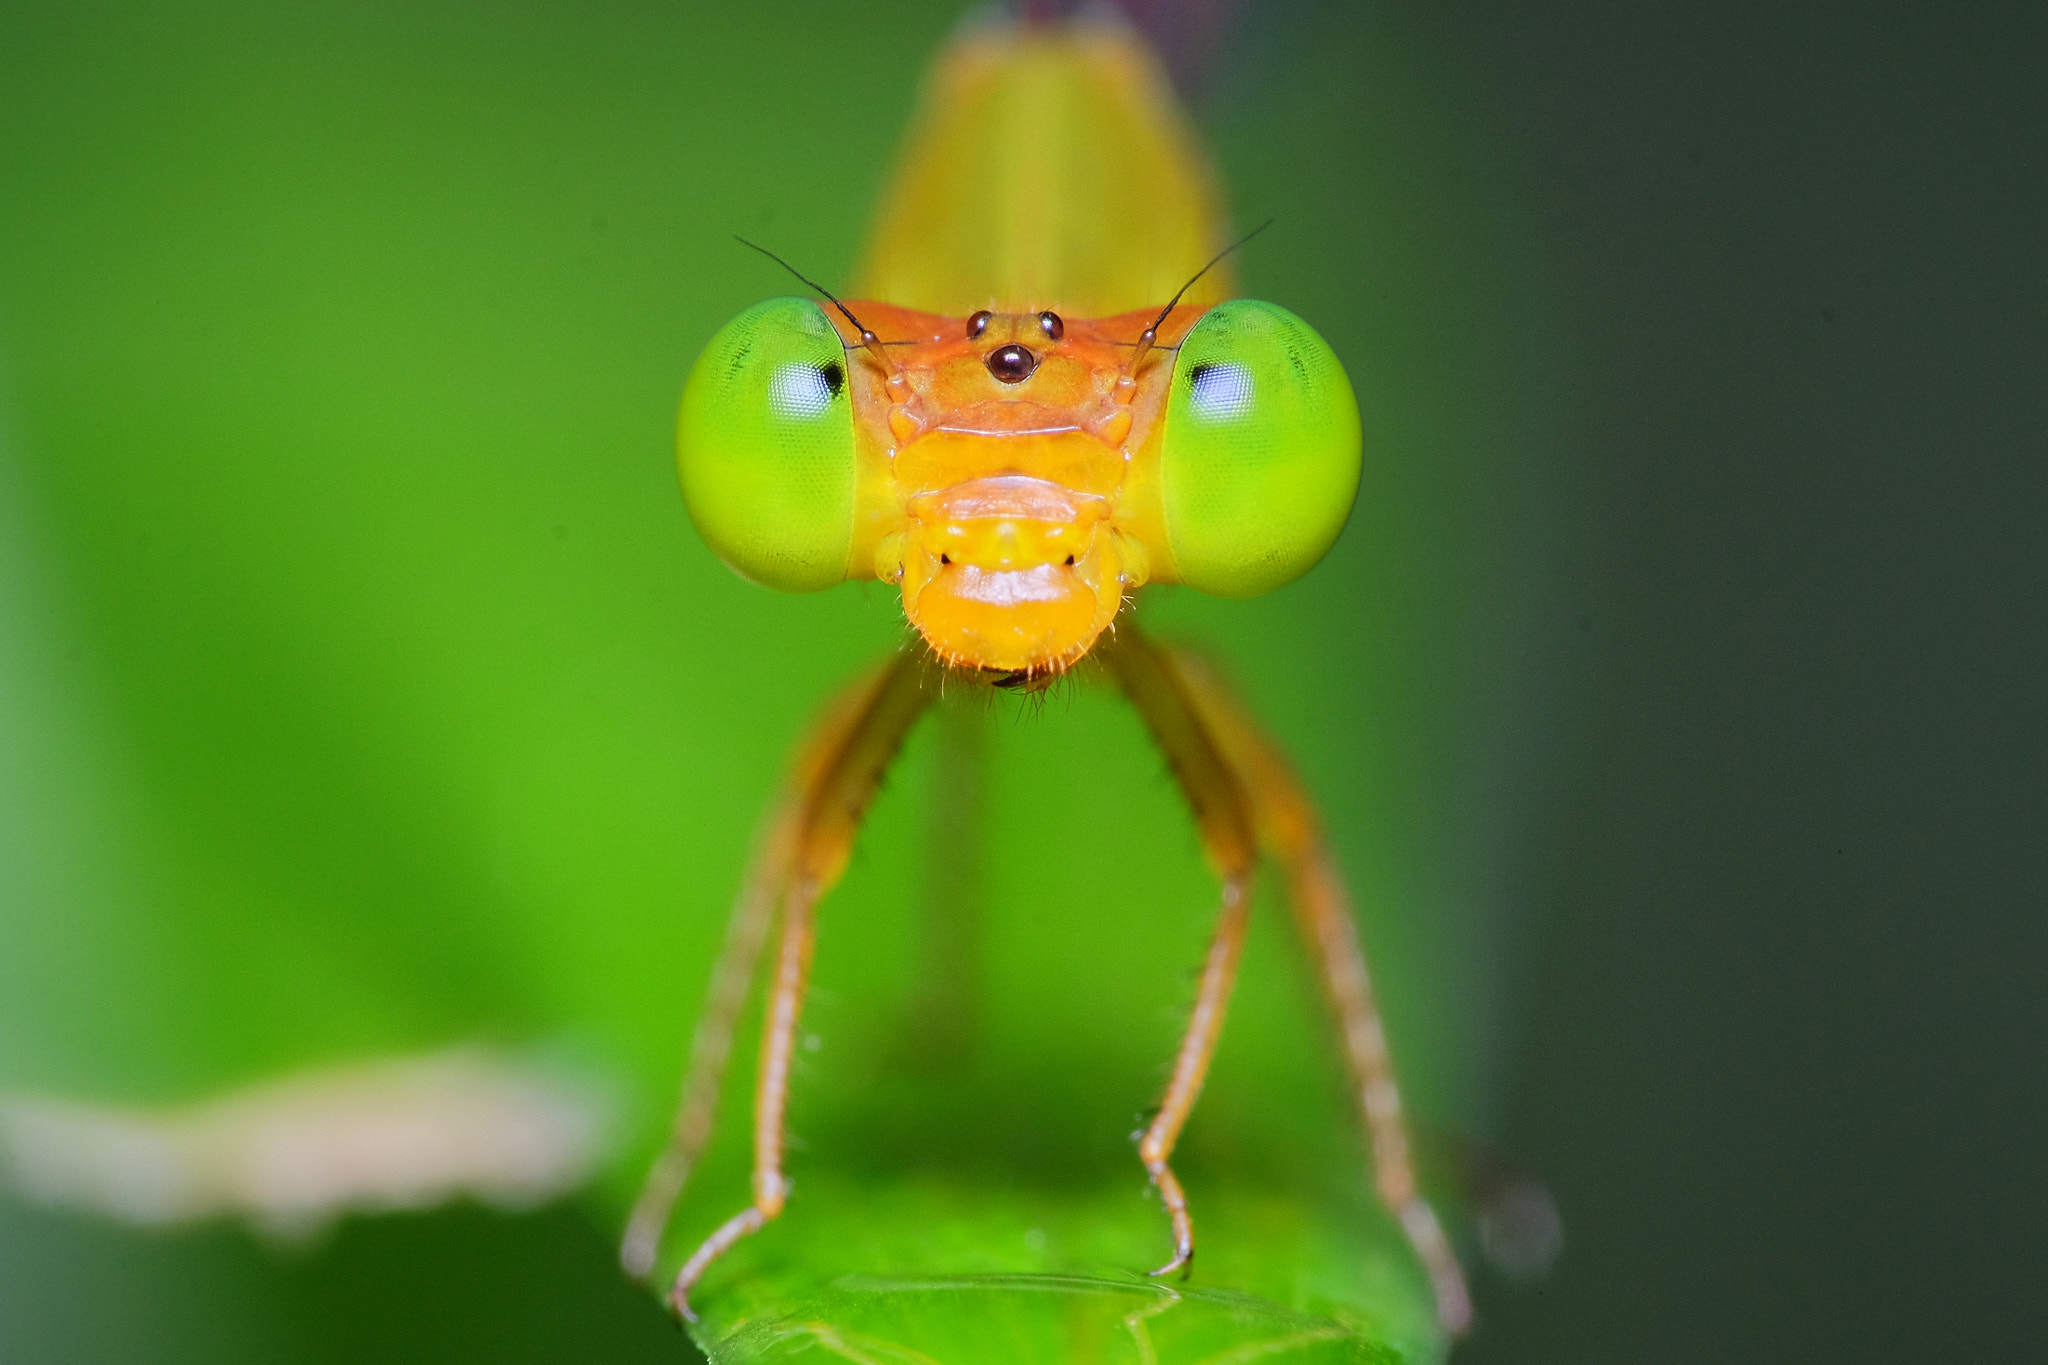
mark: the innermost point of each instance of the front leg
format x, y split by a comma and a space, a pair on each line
1246, 797
1229, 837
771, 1096
803, 850
1191, 1066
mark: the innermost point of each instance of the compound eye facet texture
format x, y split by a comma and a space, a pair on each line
1259, 460
765, 446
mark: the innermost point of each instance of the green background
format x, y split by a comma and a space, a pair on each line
370, 690
1674, 693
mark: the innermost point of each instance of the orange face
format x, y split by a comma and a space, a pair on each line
1001, 484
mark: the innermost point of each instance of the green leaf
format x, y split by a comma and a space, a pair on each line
981, 1273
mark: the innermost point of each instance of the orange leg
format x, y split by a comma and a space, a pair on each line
1197, 1046
771, 1096
1233, 772
711, 1043
1228, 836
804, 848
1323, 912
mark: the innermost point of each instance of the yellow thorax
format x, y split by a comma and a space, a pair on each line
1048, 168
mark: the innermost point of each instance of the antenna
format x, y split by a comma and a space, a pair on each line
867, 338
1150, 335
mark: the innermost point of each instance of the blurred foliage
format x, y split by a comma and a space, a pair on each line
363, 687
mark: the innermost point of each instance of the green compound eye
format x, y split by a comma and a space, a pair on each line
1259, 462
765, 447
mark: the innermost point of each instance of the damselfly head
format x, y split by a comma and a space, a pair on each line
1018, 475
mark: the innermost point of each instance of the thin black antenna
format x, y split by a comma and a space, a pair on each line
1150, 335
867, 338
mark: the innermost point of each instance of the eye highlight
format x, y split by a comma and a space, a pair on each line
1221, 392
765, 446
1258, 462
799, 392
